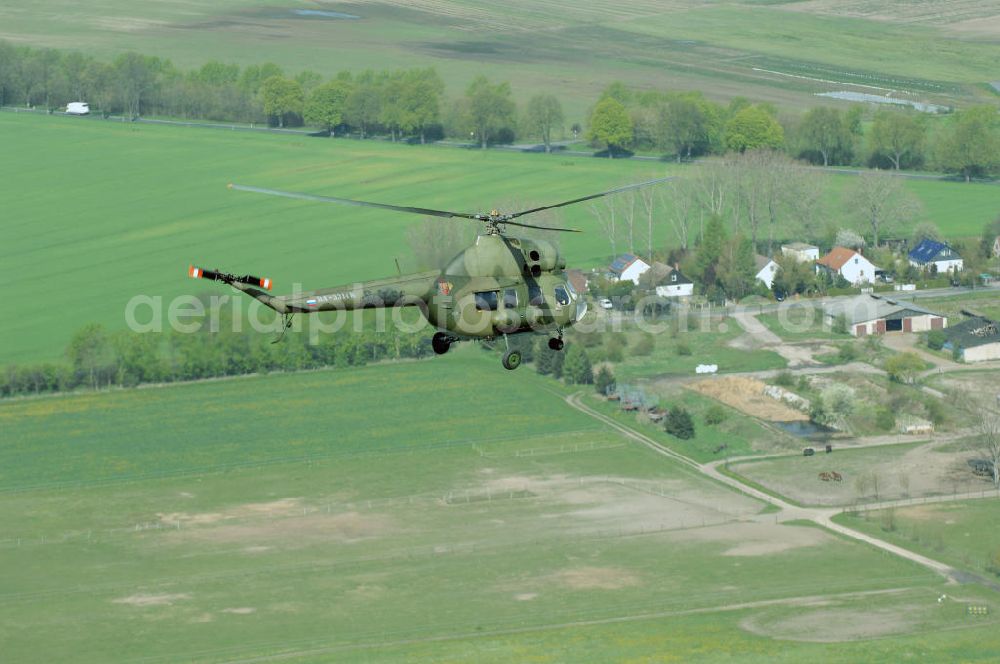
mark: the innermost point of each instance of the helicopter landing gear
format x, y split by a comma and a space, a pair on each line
441, 342
512, 358
556, 343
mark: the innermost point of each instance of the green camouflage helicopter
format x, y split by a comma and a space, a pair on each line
502, 285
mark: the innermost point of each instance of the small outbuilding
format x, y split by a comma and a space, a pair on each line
977, 339
872, 314
936, 256
801, 252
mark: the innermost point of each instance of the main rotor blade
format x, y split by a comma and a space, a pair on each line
543, 228
587, 198
348, 201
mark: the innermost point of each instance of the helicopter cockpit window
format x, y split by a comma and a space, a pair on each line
572, 291
487, 300
510, 298
535, 298
562, 297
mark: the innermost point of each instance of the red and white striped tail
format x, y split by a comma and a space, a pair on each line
265, 283
195, 272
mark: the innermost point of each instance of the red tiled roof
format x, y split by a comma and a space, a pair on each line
837, 258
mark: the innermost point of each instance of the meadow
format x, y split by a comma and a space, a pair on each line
387, 514
97, 212
780, 52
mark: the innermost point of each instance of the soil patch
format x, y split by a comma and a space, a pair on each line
152, 600
747, 396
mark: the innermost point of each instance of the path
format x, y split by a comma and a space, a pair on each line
787, 512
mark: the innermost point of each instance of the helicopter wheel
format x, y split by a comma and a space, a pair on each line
556, 343
511, 360
440, 342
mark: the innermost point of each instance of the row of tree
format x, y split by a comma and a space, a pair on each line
98, 359
411, 103
686, 125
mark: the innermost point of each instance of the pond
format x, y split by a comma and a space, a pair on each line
323, 14
808, 430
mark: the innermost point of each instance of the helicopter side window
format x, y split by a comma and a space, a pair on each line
510, 299
487, 300
535, 297
562, 297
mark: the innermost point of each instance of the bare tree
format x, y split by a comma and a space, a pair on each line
607, 216
989, 441
880, 201
684, 211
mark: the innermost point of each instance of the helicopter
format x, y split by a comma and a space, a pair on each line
500, 286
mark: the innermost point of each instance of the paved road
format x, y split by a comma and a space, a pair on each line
818, 515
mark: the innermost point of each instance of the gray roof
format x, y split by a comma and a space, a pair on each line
972, 332
864, 308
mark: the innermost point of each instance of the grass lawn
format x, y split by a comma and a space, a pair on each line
383, 514
708, 344
962, 534
801, 323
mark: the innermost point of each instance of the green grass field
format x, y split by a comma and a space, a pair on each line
962, 534
769, 51
382, 514
99, 212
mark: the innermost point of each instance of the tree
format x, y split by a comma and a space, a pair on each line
604, 382
989, 442
326, 104
364, 104
710, 250
753, 128
611, 125
880, 200
970, 146
825, 130
904, 367
136, 77
90, 354
679, 424
421, 99
576, 368
489, 109
543, 115
925, 230
898, 136
687, 123
253, 77
281, 97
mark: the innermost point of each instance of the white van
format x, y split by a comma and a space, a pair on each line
77, 108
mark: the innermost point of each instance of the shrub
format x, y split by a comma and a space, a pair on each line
644, 346
682, 348
785, 379
715, 415
679, 424
936, 339
885, 419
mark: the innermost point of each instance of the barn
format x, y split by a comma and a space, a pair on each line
977, 339
873, 314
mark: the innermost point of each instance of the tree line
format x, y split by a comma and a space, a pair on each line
410, 103
99, 359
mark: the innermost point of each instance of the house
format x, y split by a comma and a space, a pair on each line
669, 282
628, 267
766, 269
849, 264
936, 256
976, 338
578, 280
801, 252
873, 314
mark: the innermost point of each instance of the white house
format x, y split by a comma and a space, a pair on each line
766, 269
628, 267
849, 264
674, 284
801, 252
937, 256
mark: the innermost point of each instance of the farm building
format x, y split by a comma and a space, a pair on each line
936, 256
578, 280
801, 252
628, 267
669, 282
849, 264
766, 269
872, 314
977, 338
